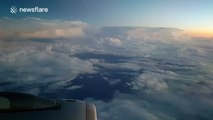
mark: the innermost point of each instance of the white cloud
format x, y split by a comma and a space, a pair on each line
149, 82
40, 28
56, 33
129, 106
41, 66
162, 34
159, 106
120, 109
109, 41
121, 65
74, 87
114, 41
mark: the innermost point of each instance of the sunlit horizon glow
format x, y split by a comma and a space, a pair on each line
194, 17
200, 33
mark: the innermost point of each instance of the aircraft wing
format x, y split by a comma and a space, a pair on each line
19, 106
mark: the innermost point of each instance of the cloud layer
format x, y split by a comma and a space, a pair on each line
39, 28
162, 34
151, 73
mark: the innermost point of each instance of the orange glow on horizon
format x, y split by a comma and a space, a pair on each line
201, 33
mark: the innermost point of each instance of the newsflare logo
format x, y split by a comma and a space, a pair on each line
36, 9
13, 9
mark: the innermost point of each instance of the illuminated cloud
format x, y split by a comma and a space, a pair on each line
162, 34
110, 42
57, 33
114, 41
149, 82
40, 28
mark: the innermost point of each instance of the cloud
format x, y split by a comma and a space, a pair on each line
36, 67
137, 107
157, 80
56, 33
163, 106
120, 65
149, 82
112, 41
161, 34
122, 108
74, 87
41, 28
114, 82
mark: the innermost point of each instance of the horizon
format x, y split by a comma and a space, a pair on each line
191, 16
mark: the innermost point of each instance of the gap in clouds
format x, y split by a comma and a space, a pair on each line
128, 72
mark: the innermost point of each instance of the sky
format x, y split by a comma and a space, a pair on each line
194, 16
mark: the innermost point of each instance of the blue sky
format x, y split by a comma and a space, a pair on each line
193, 15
